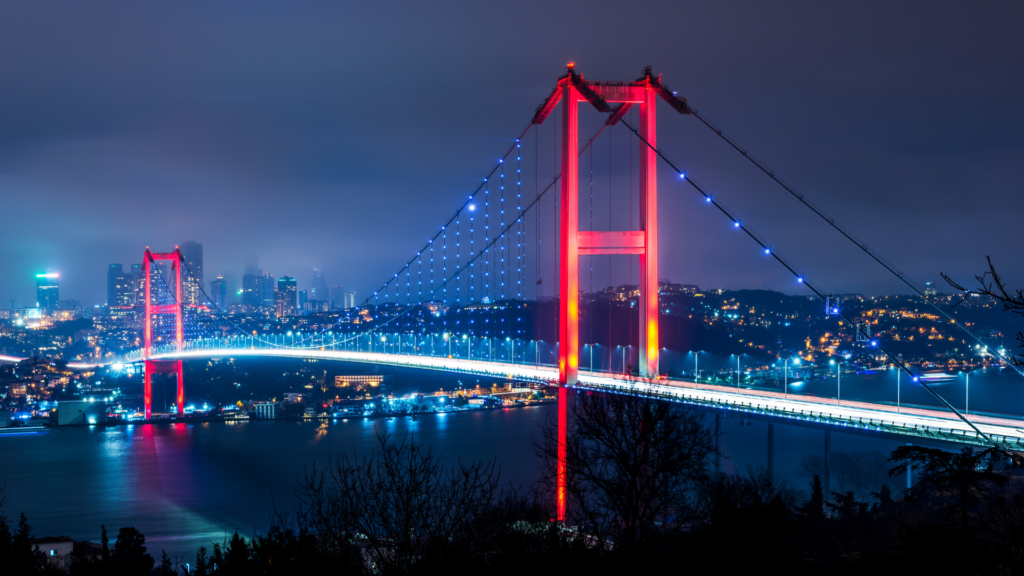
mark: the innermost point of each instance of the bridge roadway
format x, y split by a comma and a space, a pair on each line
933, 425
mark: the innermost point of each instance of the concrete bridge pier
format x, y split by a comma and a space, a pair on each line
718, 442
827, 481
771, 451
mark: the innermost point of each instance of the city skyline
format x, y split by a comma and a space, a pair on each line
168, 151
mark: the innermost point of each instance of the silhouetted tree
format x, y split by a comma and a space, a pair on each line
395, 506
969, 475
633, 466
992, 285
129, 556
814, 508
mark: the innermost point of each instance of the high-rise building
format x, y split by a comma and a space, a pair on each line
303, 298
219, 292
124, 290
251, 288
47, 290
338, 297
267, 291
137, 283
113, 271
192, 253
319, 289
285, 296
350, 300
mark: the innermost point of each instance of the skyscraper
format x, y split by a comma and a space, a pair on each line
219, 292
47, 290
192, 253
137, 284
286, 296
251, 295
303, 298
113, 271
319, 289
338, 297
124, 290
267, 291
350, 300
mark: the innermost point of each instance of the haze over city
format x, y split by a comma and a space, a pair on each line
303, 135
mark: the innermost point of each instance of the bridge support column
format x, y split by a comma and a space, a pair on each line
827, 492
569, 266
718, 442
771, 451
910, 474
648, 304
163, 367
562, 484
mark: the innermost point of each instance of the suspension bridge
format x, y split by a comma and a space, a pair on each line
527, 222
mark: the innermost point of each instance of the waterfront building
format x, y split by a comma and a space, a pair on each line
265, 410
359, 381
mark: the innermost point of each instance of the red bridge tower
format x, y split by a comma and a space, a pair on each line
571, 90
163, 366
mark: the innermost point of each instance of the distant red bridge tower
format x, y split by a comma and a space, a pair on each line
163, 366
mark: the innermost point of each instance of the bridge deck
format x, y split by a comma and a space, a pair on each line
910, 422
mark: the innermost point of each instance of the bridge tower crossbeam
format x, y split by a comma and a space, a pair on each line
163, 366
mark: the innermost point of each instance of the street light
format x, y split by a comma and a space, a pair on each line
786, 378
839, 381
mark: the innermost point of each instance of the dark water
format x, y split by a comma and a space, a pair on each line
186, 485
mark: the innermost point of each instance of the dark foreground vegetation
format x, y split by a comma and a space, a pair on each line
641, 499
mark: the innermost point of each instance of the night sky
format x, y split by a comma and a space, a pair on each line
341, 135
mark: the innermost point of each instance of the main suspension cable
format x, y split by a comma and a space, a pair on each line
801, 279
871, 252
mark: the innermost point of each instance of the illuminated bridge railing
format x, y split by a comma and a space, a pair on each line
416, 352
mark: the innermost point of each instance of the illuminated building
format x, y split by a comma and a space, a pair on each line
285, 297
267, 291
125, 290
192, 253
47, 290
113, 271
319, 290
136, 276
359, 381
303, 298
251, 288
338, 297
219, 292
265, 410
350, 300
